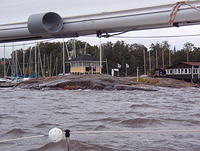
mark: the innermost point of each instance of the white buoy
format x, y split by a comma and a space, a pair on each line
55, 135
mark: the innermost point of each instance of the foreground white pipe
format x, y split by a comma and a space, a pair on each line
126, 20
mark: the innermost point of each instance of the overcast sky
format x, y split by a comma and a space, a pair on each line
20, 10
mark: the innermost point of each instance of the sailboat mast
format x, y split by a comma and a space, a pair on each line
4, 67
35, 58
63, 57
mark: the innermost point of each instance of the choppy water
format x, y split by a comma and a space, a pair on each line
28, 112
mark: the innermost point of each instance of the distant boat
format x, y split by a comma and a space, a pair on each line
3, 80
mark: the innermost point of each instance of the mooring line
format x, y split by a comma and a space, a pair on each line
106, 132
131, 131
21, 138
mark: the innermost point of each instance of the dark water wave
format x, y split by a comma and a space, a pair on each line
74, 146
140, 122
27, 113
140, 106
15, 131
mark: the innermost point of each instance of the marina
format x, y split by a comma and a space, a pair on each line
112, 91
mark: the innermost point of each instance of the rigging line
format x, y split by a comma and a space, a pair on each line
21, 138
107, 132
152, 37
130, 131
30, 43
147, 37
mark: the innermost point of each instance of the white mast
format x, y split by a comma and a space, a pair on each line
100, 49
35, 58
4, 65
63, 57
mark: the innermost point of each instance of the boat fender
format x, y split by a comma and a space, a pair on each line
55, 135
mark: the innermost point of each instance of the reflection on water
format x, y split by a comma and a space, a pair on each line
28, 112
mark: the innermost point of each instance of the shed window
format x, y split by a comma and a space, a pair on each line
182, 71
185, 70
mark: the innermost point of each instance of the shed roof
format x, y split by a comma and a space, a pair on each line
86, 57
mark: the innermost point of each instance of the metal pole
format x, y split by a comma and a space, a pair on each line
156, 58
163, 58
50, 65
40, 61
169, 58
74, 46
16, 69
4, 65
30, 61
137, 74
144, 62
187, 55
100, 48
107, 65
149, 61
63, 57
24, 61
35, 58
44, 64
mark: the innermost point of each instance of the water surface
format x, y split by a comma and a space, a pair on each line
30, 112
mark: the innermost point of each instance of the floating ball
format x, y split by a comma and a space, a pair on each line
55, 135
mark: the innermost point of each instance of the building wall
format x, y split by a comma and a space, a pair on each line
82, 69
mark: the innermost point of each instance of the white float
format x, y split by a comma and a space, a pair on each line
55, 135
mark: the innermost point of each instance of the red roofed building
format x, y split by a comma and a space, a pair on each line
189, 71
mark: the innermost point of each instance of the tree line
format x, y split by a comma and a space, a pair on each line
45, 59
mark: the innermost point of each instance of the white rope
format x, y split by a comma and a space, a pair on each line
130, 131
21, 138
106, 132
